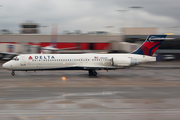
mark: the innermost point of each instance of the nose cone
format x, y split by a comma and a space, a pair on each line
6, 65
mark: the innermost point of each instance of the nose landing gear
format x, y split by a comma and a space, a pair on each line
92, 72
13, 73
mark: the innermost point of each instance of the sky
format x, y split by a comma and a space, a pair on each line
91, 15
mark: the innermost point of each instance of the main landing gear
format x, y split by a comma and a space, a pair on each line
92, 72
13, 73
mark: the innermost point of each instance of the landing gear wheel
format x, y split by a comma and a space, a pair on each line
92, 73
13, 73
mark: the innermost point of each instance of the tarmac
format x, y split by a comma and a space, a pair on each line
146, 92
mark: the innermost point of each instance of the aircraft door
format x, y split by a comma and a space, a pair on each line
22, 61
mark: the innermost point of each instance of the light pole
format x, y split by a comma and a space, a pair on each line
135, 22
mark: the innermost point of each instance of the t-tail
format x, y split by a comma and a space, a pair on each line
151, 44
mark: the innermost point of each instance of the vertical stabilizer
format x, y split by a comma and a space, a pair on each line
151, 44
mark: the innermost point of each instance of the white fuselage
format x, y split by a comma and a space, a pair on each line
72, 61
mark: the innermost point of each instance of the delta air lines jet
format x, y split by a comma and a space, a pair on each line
89, 62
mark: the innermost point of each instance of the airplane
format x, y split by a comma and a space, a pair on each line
88, 62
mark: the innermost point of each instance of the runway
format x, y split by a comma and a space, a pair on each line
146, 92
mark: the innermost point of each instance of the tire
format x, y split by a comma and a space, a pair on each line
94, 73
13, 73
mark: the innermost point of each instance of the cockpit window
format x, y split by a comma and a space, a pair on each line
15, 58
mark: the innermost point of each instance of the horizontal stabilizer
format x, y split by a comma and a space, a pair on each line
159, 39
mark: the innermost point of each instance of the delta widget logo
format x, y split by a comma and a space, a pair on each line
41, 57
30, 58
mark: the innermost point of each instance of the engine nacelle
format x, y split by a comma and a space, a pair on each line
124, 61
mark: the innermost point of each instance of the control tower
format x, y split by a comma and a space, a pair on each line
29, 28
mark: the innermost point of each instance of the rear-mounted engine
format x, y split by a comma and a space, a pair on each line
124, 61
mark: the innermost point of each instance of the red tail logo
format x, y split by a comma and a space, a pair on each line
151, 44
30, 58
